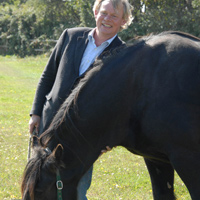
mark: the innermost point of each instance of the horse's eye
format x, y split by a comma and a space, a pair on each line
38, 191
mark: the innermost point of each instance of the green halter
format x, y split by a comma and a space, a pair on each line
59, 185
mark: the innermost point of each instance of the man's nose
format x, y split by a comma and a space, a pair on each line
107, 17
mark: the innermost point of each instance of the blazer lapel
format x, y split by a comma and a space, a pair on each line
115, 43
80, 48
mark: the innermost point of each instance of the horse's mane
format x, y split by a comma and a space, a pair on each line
59, 118
32, 173
149, 36
182, 34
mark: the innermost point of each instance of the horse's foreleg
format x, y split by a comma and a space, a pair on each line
162, 179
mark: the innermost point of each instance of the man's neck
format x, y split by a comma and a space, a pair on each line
99, 39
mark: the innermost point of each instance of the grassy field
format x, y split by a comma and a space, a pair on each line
117, 174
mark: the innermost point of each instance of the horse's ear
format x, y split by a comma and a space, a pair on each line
40, 141
58, 152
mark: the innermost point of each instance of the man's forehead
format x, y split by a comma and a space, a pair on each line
116, 7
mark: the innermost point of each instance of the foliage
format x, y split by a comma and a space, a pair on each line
86, 13
17, 28
163, 15
34, 26
30, 27
196, 3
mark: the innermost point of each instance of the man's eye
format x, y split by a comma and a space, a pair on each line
103, 13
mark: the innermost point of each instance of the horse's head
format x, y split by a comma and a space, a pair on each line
41, 174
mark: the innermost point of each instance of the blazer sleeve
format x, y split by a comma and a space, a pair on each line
49, 74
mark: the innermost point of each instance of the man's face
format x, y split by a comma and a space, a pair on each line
108, 19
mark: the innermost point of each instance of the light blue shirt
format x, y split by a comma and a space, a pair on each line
92, 51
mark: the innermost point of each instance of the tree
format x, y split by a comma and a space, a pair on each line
86, 13
27, 25
163, 15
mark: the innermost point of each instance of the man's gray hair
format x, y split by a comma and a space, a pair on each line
127, 14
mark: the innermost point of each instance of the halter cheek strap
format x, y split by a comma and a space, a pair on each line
59, 185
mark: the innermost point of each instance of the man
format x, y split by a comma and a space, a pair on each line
74, 53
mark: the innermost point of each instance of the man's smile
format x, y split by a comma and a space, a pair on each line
106, 25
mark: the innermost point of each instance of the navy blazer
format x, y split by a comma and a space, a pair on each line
61, 73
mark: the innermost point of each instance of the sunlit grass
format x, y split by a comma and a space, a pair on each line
117, 174
121, 175
18, 80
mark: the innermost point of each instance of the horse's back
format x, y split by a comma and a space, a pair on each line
167, 105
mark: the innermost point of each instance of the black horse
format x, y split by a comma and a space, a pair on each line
145, 98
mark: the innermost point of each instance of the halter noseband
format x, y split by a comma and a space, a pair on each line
59, 183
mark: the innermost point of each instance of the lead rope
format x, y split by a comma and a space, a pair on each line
59, 185
30, 144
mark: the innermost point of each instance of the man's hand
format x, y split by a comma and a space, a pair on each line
105, 150
34, 123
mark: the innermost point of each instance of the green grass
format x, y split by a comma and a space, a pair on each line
18, 80
117, 174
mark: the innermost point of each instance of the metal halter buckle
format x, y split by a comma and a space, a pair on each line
59, 185
47, 150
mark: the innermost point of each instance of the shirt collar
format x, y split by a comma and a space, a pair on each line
91, 38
